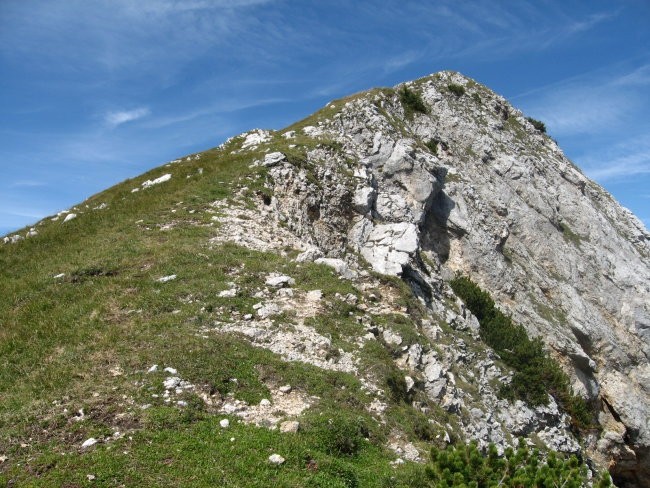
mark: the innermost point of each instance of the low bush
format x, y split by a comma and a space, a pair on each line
338, 433
457, 90
466, 466
412, 102
535, 373
538, 124
397, 388
334, 473
432, 145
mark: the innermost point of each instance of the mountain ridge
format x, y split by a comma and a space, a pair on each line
461, 183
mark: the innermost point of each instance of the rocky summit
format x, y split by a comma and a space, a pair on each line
287, 300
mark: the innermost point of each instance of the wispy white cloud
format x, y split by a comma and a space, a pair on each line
223, 107
26, 184
583, 109
105, 37
397, 62
590, 103
488, 30
638, 77
115, 118
23, 212
590, 22
624, 160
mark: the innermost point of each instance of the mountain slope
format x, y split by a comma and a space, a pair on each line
274, 259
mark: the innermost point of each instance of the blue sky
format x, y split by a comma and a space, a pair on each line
93, 92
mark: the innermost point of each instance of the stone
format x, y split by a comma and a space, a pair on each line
268, 310
170, 370
224, 423
285, 389
89, 442
273, 159
279, 281
390, 247
153, 369
391, 338
165, 279
255, 137
69, 217
340, 266
276, 459
284, 293
433, 371
437, 388
363, 199
156, 181
289, 426
171, 382
231, 293
310, 255
314, 295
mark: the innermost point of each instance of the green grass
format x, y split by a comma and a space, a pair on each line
85, 342
570, 236
201, 453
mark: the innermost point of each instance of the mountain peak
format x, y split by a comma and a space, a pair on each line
321, 258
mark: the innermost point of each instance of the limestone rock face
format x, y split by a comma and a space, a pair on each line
472, 187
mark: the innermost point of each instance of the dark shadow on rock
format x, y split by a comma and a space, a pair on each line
434, 232
418, 284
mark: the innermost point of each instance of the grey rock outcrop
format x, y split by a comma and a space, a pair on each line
472, 187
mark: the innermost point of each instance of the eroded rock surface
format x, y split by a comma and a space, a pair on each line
473, 187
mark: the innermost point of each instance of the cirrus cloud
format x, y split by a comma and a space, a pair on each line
115, 118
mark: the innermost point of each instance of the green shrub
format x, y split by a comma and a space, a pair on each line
466, 466
414, 423
334, 473
535, 373
539, 125
412, 102
457, 90
338, 433
432, 145
396, 386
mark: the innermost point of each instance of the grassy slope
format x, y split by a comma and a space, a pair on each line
85, 342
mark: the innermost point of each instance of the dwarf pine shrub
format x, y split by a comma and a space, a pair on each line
536, 375
412, 102
466, 466
538, 124
456, 89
